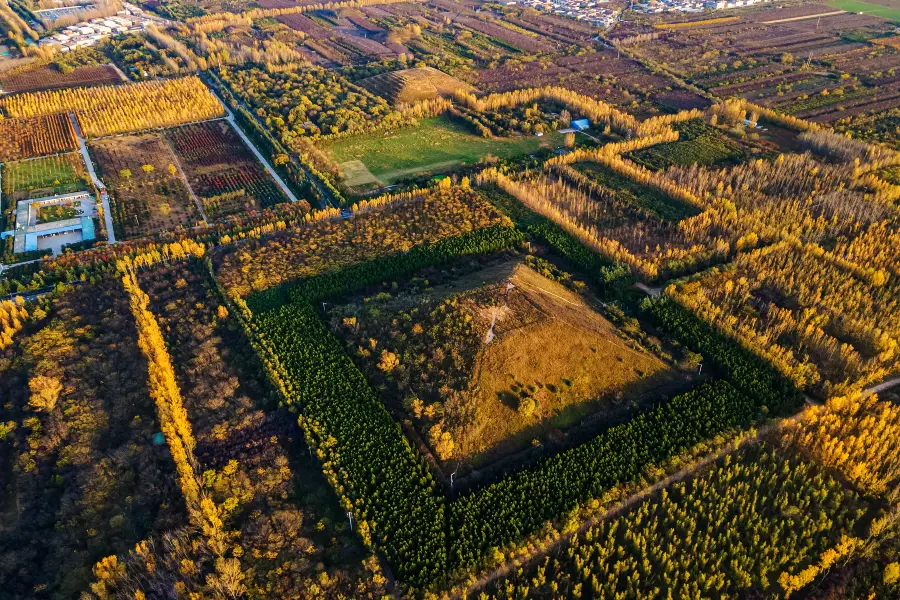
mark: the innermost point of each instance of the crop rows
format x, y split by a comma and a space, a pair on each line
118, 109
36, 136
254, 182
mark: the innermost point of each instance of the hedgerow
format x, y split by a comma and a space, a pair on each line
741, 366
519, 505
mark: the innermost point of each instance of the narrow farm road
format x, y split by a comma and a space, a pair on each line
230, 118
630, 501
104, 196
284, 188
323, 191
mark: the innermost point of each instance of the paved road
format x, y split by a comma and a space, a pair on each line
26, 262
104, 196
323, 191
230, 118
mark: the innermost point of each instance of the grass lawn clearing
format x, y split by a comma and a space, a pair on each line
438, 144
45, 176
887, 9
356, 174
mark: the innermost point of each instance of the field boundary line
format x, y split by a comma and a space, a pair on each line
262, 159
101, 188
229, 117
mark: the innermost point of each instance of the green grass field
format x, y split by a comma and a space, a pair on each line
435, 145
891, 12
61, 171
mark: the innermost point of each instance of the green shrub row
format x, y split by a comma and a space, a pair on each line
380, 478
740, 366
519, 505
611, 276
341, 281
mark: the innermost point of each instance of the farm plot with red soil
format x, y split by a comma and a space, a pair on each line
601, 75
38, 136
822, 68
285, 3
221, 170
48, 78
147, 194
560, 29
304, 24
514, 38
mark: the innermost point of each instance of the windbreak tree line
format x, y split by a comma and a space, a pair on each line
775, 392
519, 505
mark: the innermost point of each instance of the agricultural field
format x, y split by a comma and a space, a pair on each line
37, 136
810, 61
698, 143
49, 78
887, 9
107, 110
603, 75
147, 194
654, 358
883, 127
434, 145
221, 170
475, 359
45, 176
413, 85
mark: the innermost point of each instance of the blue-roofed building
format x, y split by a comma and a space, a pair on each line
580, 124
32, 234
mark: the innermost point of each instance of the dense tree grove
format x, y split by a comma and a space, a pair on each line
740, 365
375, 472
403, 222
751, 522
310, 102
355, 402
77, 438
118, 109
841, 334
